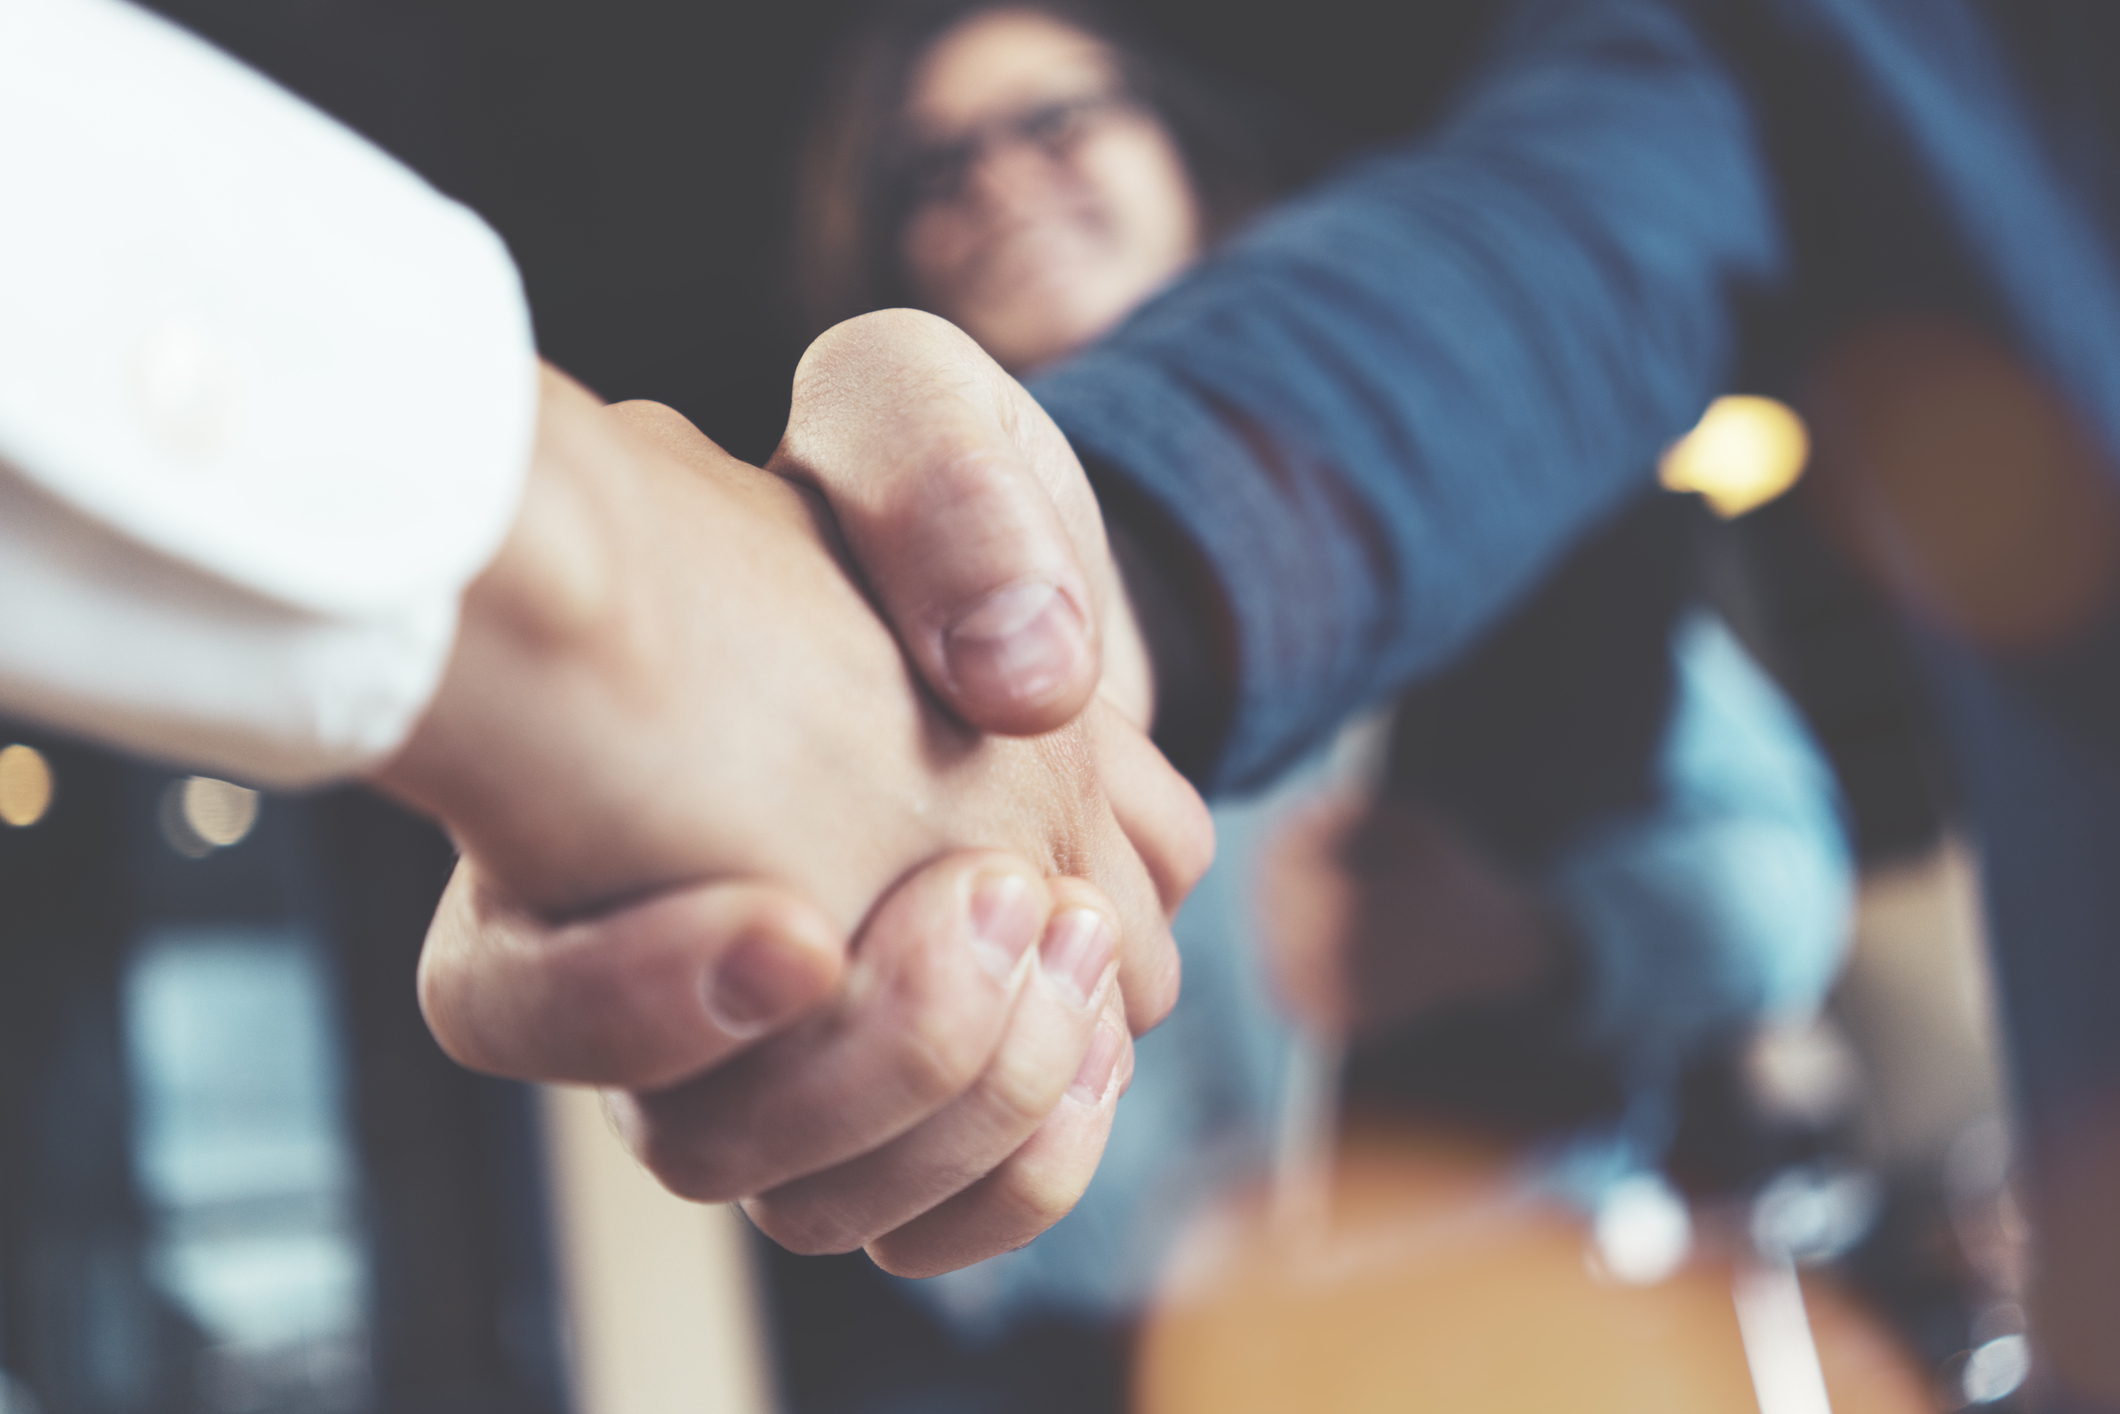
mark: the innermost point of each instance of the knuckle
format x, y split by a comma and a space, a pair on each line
658, 420
1019, 1091
1032, 1197
649, 409
945, 1043
939, 1063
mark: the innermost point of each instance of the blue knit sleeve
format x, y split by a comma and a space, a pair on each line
1372, 419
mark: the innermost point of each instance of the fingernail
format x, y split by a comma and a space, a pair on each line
757, 983
1078, 946
1095, 1076
1005, 919
1017, 642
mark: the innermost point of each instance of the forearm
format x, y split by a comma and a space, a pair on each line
1376, 417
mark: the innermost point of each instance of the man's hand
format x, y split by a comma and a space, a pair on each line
943, 1098
667, 675
971, 518
970, 515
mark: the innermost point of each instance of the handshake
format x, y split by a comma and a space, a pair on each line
811, 811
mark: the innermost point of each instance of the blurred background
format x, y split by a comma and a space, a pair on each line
236, 1176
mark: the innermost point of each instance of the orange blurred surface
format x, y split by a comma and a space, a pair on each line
1433, 1281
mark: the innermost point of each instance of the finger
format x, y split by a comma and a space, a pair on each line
927, 999
1034, 1187
1169, 830
641, 996
1050, 1034
937, 465
1163, 816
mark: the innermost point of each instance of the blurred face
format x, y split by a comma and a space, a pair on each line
1045, 203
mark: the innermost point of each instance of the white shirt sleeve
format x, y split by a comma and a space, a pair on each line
266, 402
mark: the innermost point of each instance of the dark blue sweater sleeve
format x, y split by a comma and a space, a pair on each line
1373, 419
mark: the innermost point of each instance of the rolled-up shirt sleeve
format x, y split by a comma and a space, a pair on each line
266, 403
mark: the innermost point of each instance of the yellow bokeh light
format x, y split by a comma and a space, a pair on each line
1743, 453
200, 815
218, 812
25, 786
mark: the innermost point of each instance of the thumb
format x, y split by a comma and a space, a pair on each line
966, 511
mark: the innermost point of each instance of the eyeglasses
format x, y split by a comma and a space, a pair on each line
937, 173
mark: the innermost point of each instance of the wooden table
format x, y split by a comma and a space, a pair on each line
1432, 1280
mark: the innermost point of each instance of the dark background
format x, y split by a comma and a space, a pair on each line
635, 155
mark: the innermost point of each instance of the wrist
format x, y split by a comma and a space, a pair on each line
545, 617
1175, 634
556, 581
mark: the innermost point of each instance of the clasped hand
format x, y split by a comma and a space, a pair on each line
854, 926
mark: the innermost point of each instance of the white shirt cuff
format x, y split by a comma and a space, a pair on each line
266, 402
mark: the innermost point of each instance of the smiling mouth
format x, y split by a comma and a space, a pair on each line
1037, 250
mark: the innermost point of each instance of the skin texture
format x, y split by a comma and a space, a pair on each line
1045, 244
648, 572
939, 1088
